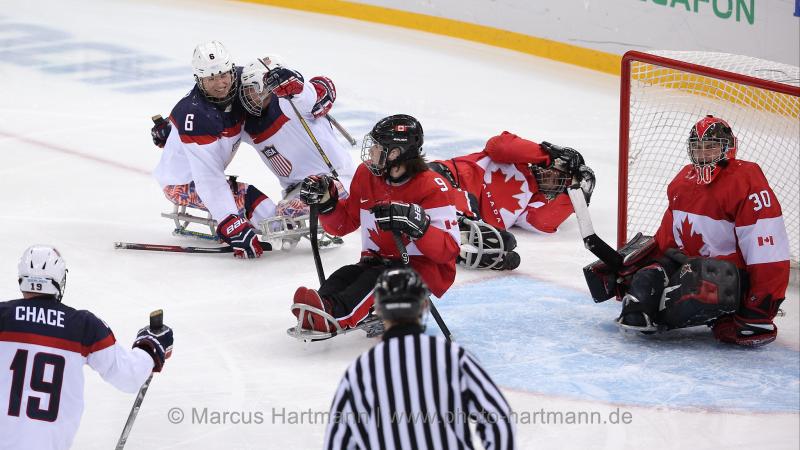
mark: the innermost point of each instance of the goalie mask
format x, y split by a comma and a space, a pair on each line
211, 62
399, 131
710, 142
400, 294
486, 247
42, 270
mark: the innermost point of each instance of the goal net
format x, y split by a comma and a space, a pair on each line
663, 93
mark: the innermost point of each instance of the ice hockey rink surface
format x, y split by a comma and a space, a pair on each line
81, 82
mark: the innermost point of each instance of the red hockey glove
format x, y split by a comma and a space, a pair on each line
733, 329
160, 131
326, 95
157, 344
406, 218
320, 190
284, 82
240, 235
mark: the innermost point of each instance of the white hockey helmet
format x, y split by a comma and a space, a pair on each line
209, 59
253, 90
42, 270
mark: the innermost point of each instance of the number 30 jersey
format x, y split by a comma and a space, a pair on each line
737, 218
43, 347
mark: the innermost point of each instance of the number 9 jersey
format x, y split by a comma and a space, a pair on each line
44, 345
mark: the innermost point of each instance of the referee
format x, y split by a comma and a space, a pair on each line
414, 391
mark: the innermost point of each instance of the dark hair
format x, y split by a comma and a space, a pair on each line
415, 166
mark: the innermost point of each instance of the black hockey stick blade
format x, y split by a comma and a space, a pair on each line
266, 246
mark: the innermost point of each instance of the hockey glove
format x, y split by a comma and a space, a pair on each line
320, 190
160, 131
326, 95
284, 82
564, 159
239, 234
157, 344
406, 218
732, 329
587, 181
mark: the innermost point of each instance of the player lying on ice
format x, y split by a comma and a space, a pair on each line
393, 191
511, 182
210, 121
720, 256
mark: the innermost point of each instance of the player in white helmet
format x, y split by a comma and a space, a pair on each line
44, 345
191, 171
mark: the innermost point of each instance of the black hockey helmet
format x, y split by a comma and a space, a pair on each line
400, 294
398, 131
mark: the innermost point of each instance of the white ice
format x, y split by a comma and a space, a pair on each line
76, 157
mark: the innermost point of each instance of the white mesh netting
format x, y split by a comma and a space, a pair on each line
665, 103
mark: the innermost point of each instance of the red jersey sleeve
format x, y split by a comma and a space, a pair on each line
545, 215
441, 242
512, 149
346, 217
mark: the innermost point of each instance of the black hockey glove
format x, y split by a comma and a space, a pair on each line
284, 82
160, 131
157, 344
320, 190
406, 218
237, 232
587, 181
564, 159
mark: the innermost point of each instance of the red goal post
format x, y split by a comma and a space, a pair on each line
663, 93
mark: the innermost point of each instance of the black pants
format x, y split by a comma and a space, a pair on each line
348, 286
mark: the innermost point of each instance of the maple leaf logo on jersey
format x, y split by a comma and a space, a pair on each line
505, 191
692, 242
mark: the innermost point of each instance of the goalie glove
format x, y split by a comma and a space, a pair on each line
157, 344
410, 219
239, 234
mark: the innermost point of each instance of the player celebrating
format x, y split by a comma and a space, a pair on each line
269, 93
512, 182
452, 390
192, 167
44, 345
723, 215
392, 192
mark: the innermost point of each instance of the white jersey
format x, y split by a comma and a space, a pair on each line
44, 345
285, 146
203, 141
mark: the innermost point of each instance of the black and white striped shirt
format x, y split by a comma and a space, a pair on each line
414, 391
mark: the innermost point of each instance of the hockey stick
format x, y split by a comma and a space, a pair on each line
313, 226
341, 129
265, 246
313, 139
591, 240
156, 324
398, 241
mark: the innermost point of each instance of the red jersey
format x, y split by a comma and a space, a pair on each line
507, 192
736, 218
433, 255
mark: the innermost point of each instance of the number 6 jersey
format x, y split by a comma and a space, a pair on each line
43, 347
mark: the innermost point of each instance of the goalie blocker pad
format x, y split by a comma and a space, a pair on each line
604, 281
702, 290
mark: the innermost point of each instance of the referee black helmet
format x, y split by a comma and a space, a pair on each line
400, 294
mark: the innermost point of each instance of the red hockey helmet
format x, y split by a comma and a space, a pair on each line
711, 140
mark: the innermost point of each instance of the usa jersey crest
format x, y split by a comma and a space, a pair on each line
279, 164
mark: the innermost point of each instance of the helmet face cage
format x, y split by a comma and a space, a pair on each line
482, 246
252, 90
371, 148
551, 181
710, 141
400, 294
42, 270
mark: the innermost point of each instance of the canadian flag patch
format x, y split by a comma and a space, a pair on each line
765, 240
